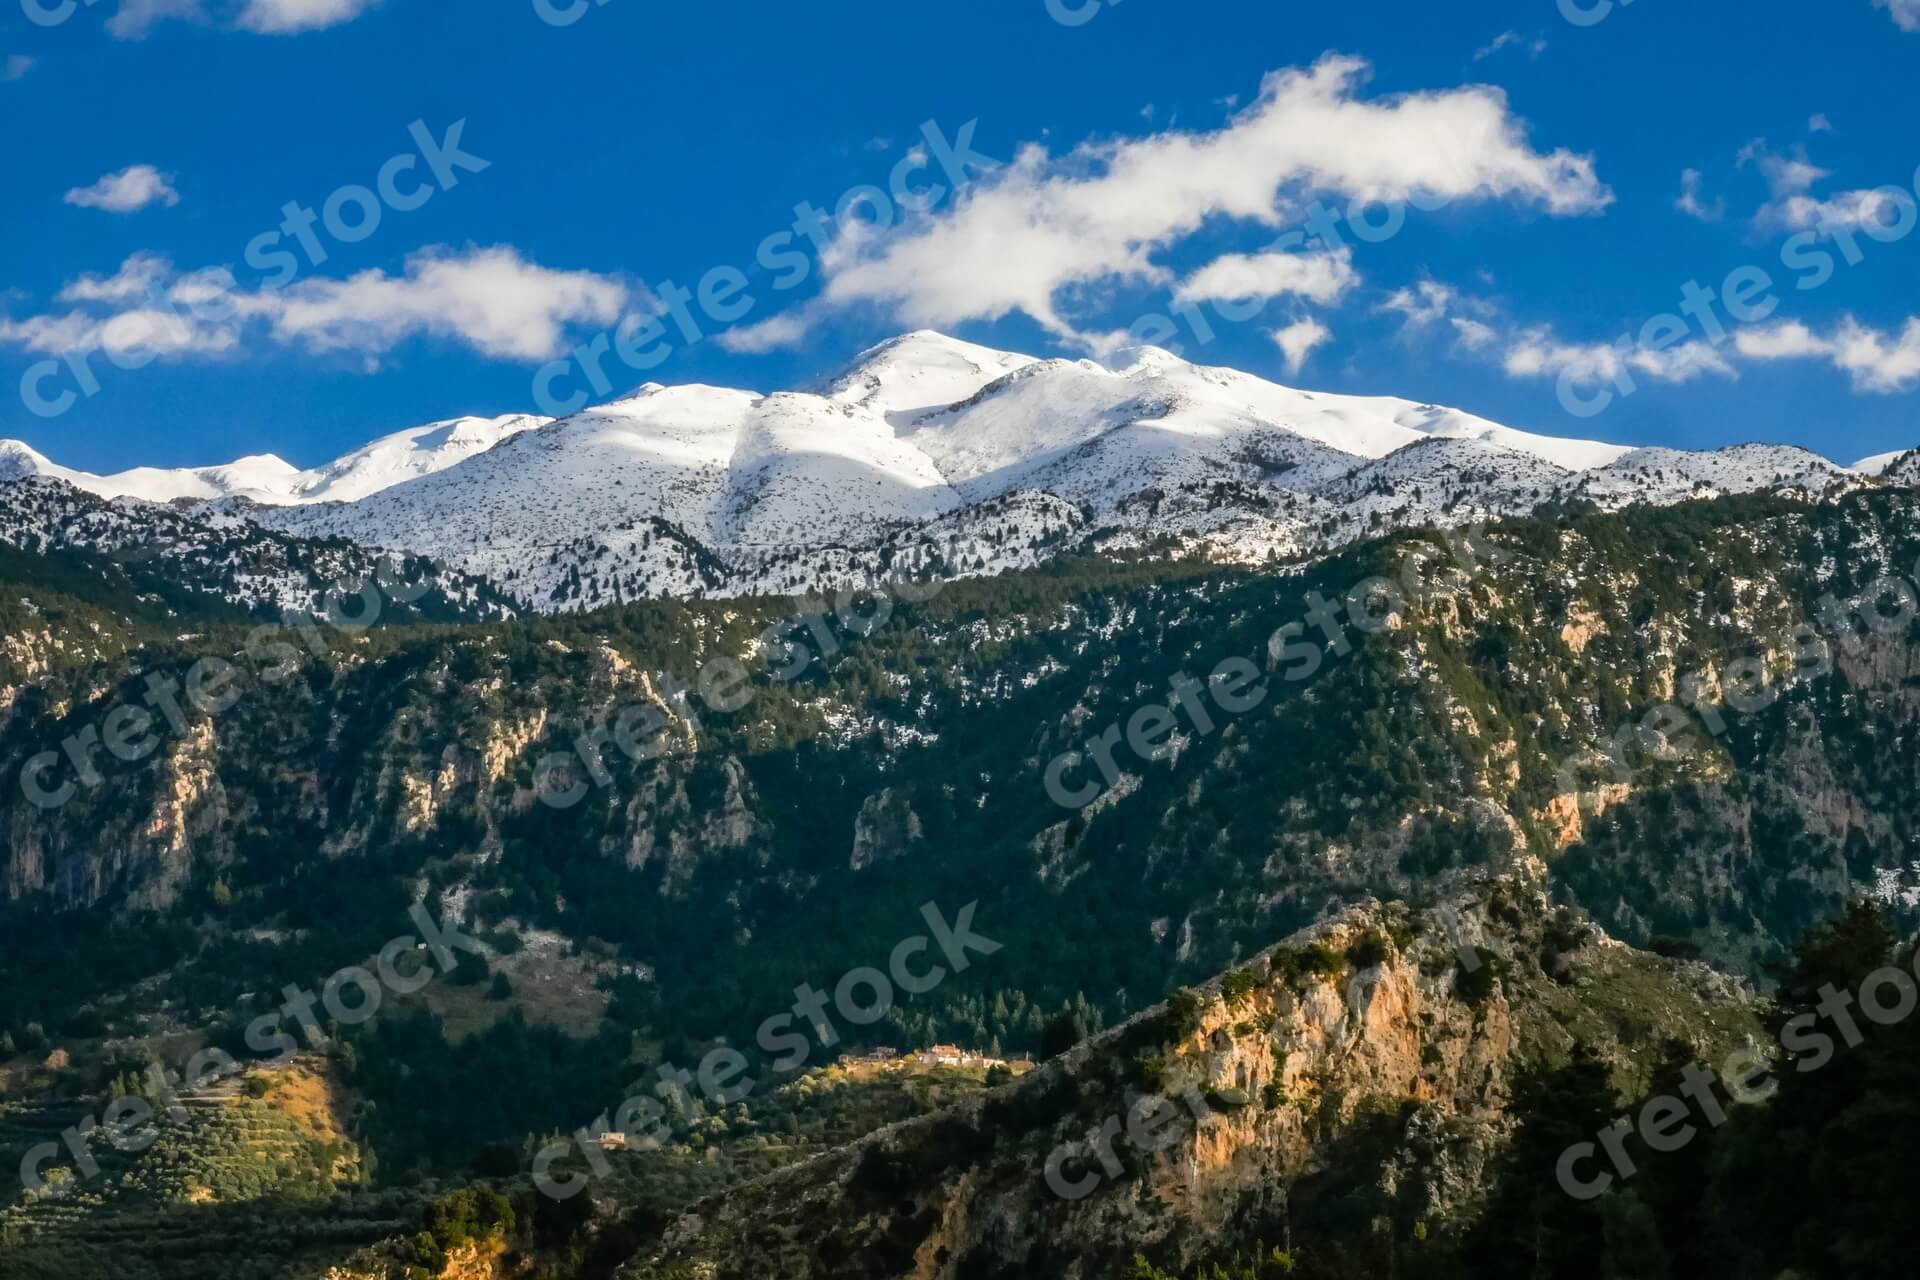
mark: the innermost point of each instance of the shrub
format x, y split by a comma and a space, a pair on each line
1474, 985
1370, 950
1322, 961
1238, 985
1184, 1007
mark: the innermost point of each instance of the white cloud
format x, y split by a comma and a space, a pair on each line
137, 17
1237, 277
1877, 362
136, 276
1786, 175
1426, 303
134, 187
1536, 353
1473, 335
289, 17
1045, 226
16, 65
490, 299
1847, 211
783, 330
1788, 340
1820, 124
1692, 205
164, 331
1535, 47
1791, 178
1298, 340
1906, 13
263, 17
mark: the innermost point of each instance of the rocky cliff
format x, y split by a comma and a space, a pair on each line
1366, 1060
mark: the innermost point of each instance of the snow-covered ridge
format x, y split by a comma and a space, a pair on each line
941, 457
271, 480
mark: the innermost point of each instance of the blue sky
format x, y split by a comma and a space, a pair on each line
647, 143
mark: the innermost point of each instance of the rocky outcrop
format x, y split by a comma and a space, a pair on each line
1387, 1036
887, 828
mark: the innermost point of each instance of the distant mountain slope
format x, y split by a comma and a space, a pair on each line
928, 454
190, 559
404, 455
1879, 462
934, 457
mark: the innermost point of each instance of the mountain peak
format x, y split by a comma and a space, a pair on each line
908, 375
19, 460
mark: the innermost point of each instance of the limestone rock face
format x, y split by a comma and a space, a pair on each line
1380, 1046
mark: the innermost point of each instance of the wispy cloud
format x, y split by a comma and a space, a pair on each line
1424, 304
1535, 46
1237, 277
1878, 362
1785, 174
290, 17
1046, 231
131, 189
1299, 340
137, 17
1906, 13
491, 300
137, 275
1846, 211
1537, 353
263, 17
1474, 335
1692, 205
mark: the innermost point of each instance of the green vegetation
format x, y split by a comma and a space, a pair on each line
1370, 950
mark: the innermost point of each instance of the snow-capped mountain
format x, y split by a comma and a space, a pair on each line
1900, 467
267, 479
1879, 462
933, 456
